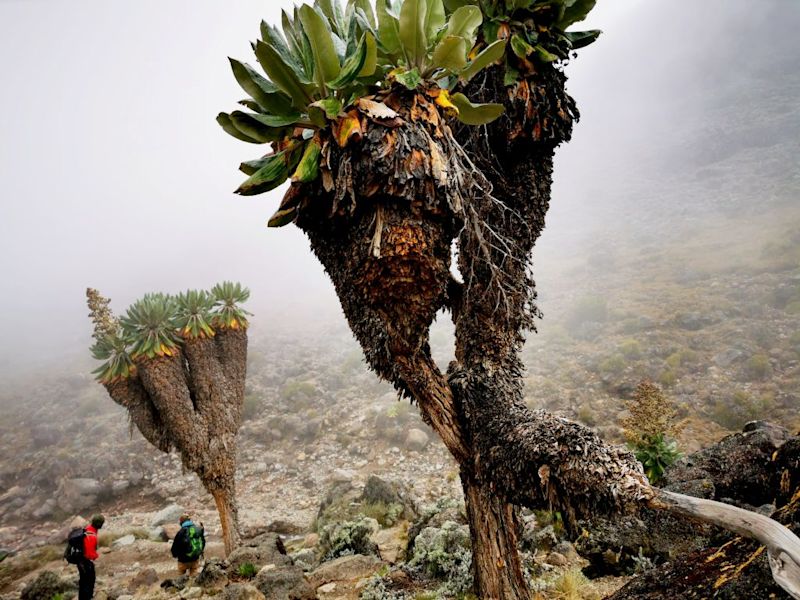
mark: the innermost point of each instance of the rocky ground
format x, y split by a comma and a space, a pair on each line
714, 320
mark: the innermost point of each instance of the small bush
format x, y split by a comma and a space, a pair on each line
613, 365
757, 366
587, 416
247, 570
668, 378
656, 453
386, 515
251, 407
741, 408
650, 429
344, 539
444, 554
631, 349
298, 390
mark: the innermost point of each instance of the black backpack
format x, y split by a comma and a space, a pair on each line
74, 550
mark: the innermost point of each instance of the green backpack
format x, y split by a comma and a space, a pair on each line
196, 542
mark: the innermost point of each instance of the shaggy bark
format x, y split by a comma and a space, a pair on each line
391, 290
192, 401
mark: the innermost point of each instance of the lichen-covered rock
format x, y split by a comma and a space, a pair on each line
241, 591
265, 549
284, 583
350, 537
213, 573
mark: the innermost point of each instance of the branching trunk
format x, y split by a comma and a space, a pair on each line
192, 401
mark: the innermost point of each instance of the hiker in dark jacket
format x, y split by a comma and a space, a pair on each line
188, 545
85, 564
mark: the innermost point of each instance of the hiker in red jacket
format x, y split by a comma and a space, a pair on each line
86, 562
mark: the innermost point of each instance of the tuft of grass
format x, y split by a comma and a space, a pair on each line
247, 570
573, 585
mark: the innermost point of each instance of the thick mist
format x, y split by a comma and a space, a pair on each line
115, 175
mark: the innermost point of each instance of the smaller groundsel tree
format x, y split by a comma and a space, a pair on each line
650, 430
177, 364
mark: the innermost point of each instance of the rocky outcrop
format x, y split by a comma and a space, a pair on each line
736, 569
739, 470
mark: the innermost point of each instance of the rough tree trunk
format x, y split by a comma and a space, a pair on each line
494, 531
228, 509
384, 239
192, 401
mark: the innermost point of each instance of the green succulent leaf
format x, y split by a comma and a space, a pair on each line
435, 18
464, 22
453, 5
410, 79
150, 325
545, 55
520, 46
365, 6
351, 68
581, 39
451, 54
326, 59
308, 167
413, 34
251, 124
388, 28
224, 119
273, 172
264, 92
282, 217
488, 56
227, 312
575, 12
371, 60
282, 74
330, 107
475, 114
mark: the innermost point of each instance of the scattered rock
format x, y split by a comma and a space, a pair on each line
345, 568
241, 591
125, 540
167, 515
417, 440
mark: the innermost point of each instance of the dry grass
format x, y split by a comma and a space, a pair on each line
16, 567
573, 585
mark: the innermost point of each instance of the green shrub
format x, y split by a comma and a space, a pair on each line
741, 408
587, 416
631, 349
350, 537
656, 453
387, 515
757, 367
298, 390
247, 570
668, 378
251, 407
444, 553
613, 365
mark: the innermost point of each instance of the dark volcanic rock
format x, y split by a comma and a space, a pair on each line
737, 569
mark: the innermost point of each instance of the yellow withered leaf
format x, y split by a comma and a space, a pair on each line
443, 100
348, 127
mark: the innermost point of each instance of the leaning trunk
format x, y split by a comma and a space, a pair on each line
227, 507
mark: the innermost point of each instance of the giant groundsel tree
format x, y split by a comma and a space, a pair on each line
177, 364
402, 131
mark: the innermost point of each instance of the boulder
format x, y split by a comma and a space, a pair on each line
284, 583
736, 569
416, 440
213, 573
241, 591
344, 568
168, 515
144, 578
265, 549
126, 540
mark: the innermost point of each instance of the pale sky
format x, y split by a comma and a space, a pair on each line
114, 173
